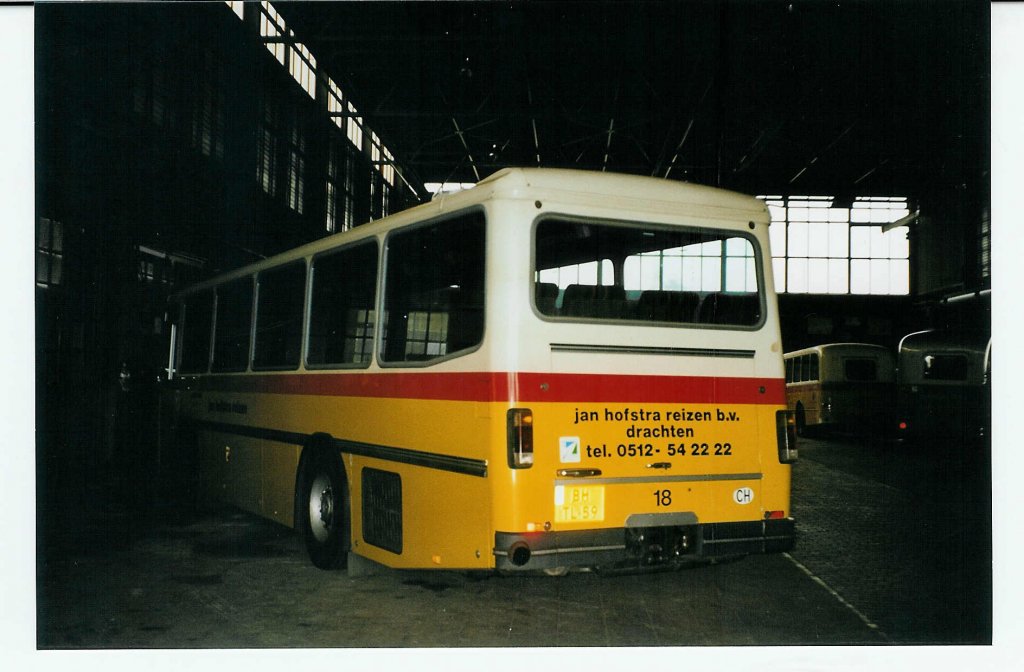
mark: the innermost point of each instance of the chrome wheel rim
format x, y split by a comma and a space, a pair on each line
321, 507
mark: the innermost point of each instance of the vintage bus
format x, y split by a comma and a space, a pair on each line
551, 369
844, 386
943, 386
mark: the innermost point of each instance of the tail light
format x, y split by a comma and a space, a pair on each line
785, 432
520, 438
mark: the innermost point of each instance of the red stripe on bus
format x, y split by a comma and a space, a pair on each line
512, 387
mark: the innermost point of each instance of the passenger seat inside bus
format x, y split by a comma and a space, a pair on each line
546, 297
668, 306
730, 308
595, 301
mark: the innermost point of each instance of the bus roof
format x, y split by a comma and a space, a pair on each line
970, 340
614, 191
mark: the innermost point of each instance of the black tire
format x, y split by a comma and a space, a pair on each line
322, 508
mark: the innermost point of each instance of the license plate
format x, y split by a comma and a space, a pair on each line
579, 503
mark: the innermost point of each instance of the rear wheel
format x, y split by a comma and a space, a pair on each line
322, 509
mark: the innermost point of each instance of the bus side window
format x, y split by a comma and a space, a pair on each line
342, 299
433, 296
280, 296
814, 371
233, 323
195, 338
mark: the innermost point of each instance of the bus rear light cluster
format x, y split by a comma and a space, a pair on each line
785, 432
520, 438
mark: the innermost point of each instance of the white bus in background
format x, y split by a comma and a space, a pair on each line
847, 386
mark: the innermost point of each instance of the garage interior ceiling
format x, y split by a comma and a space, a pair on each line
814, 97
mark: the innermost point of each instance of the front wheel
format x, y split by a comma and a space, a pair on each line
322, 509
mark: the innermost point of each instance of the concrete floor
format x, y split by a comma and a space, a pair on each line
892, 549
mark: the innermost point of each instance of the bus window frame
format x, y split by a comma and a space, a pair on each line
383, 266
378, 286
762, 288
254, 319
251, 277
184, 309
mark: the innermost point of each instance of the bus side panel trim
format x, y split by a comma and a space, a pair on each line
459, 465
638, 350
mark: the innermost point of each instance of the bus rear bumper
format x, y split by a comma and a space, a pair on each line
640, 546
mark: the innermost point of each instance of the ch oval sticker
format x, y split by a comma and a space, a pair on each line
743, 495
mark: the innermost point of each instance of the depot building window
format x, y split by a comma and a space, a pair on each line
819, 246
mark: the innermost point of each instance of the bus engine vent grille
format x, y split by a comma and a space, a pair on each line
382, 509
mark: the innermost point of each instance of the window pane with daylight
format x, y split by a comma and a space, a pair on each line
777, 238
796, 278
860, 276
899, 276
899, 243
817, 215
838, 277
860, 241
779, 271
860, 215
839, 215
817, 240
879, 276
740, 274
588, 273
691, 273
672, 273
879, 243
817, 276
650, 272
797, 239
839, 239
711, 274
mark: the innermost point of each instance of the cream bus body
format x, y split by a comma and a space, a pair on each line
841, 385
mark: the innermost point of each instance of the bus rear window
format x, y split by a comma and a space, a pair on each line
629, 272
945, 367
860, 370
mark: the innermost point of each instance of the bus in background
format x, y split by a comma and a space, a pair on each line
844, 386
943, 386
551, 369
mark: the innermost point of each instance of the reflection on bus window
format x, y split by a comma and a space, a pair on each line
433, 296
342, 299
644, 273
